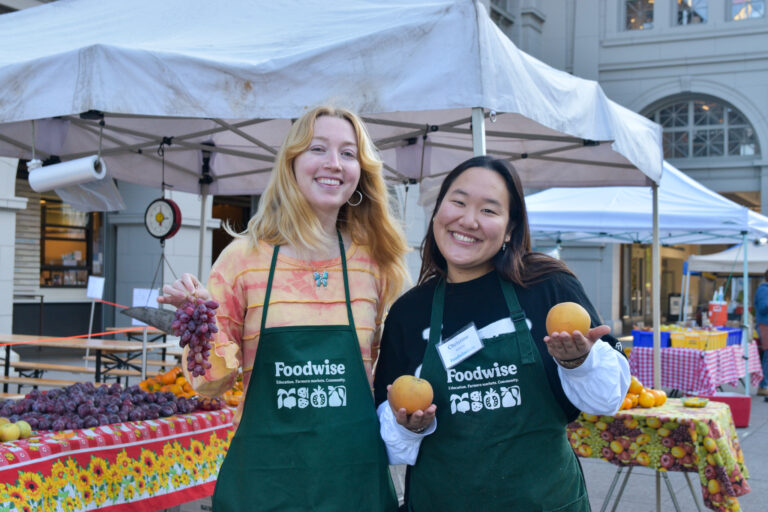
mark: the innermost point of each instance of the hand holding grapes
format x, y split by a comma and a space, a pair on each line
195, 320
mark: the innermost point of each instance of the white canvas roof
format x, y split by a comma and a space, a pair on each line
689, 213
234, 72
731, 260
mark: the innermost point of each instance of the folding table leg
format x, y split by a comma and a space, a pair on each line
610, 489
693, 491
621, 489
671, 490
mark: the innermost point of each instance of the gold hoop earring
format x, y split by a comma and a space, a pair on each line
358, 201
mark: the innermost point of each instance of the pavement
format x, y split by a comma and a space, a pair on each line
640, 492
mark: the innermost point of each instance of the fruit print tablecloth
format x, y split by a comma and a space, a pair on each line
136, 466
696, 371
671, 438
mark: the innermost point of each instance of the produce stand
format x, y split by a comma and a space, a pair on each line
139, 466
670, 437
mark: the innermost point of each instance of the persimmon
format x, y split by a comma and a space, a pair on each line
410, 393
647, 399
567, 317
660, 395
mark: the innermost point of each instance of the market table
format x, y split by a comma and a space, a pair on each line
114, 348
697, 372
671, 437
135, 466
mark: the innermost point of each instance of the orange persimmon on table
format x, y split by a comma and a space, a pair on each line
671, 437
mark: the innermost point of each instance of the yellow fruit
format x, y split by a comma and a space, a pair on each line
713, 486
567, 317
660, 395
410, 393
25, 429
3, 421
653, 422
643, 459
635, 386
9, 432
616, 447
626, 403
646, 399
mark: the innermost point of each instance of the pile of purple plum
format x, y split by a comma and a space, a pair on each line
84, 405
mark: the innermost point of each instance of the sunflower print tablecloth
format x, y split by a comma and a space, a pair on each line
137, 466
671, 438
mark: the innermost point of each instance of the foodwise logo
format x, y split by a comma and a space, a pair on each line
319, 397
491, 399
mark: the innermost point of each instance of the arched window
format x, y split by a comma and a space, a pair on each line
704, 127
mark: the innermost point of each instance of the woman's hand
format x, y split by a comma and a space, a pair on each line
566, 347
416, 422
181, 290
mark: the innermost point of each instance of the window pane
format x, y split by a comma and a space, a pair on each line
746, 9
735, 117
741, 141
639, 14
707, 112
56, 232
708, 142
62, 214
675, 144
65, 253
691, 11
674, 115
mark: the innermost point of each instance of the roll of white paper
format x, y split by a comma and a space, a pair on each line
64, 174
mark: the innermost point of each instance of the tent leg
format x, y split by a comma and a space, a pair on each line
478, 131
656, 289
746, 330
201, 245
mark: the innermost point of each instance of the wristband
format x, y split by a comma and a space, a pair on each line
570, 364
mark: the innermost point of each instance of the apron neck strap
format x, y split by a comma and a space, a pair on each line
272, 266
517, 315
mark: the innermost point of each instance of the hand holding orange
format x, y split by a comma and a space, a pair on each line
410, 393
568, 317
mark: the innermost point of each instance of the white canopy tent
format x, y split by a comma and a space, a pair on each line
689, 213
226, 76
731, 260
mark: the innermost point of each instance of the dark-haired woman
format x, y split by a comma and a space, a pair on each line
504, 390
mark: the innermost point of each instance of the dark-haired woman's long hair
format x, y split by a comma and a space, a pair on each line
518, 263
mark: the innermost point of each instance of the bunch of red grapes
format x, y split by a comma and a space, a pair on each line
195, 324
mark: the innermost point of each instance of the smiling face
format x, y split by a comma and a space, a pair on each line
328, 171
472, 223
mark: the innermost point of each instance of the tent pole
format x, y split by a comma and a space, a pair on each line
656, 289
687, 291
746, 331
201, 244
478, 131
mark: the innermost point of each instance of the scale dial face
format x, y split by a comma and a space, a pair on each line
162, 218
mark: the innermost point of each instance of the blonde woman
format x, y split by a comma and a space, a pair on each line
307, 284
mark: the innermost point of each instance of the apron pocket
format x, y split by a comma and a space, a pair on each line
580, 504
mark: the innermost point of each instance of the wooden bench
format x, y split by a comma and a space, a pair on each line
73, 368
12, 396
150, 362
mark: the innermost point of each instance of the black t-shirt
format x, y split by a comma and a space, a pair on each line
406, 330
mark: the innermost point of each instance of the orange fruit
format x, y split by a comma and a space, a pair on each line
410, 393
627, 403
635, 398
660, 395
568, 317
647, 399
635, 386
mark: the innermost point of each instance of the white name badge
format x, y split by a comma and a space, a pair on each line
459, 347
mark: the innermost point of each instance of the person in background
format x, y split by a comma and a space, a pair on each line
307, 285
761, 320
495, 435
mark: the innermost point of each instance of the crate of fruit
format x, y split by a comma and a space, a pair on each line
686, 339
713, 340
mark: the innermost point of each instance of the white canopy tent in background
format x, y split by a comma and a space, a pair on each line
689, 213
731, 260
227, 76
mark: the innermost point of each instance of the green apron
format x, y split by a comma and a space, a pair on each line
500, 438
309, 435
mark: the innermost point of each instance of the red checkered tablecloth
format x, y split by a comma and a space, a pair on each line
697, 372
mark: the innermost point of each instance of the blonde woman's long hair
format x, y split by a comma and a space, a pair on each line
285, 216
